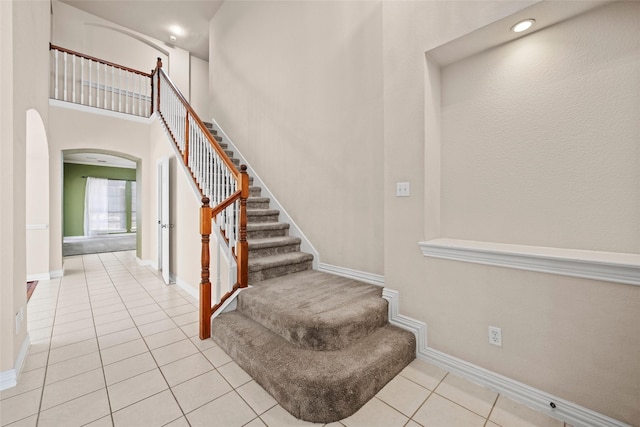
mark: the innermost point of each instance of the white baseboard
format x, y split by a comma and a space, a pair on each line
147, 263
41, 276
363, 276
538, 400
194, 292
9, 378
56, 274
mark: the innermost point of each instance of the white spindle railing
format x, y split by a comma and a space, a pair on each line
224, 191
89, 81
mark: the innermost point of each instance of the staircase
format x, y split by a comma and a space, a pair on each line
320, 344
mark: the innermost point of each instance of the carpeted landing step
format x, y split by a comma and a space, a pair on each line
320, 344
316, 386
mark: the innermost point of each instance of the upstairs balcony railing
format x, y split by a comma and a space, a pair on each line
93, 82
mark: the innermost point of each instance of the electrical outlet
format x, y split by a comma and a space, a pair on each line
495, 336
402, 189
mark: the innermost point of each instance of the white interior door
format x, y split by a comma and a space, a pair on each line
163, 218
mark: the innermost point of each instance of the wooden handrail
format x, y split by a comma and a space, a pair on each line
199, 122
102, 61
208, 213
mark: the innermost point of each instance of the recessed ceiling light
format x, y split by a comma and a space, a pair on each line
523, 25
176, 30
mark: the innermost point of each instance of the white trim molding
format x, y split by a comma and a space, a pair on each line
606, 266
9, 378
363, 276
194, 292
41, 276
538, 400
37, 226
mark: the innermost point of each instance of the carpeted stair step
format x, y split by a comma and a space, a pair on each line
273, 246
260, 230
262, 215
315, 386
255, 191
268, 267
315, 310
258, 202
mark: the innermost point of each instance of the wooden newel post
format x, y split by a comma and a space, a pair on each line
243, 245
185, 155
205, 284
158, 67
153, 76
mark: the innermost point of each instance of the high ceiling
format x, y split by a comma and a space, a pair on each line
156, 17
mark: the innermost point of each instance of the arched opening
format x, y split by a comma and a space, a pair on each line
37, 198
100, 202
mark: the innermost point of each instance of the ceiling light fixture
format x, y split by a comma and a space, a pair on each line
176, 30
172, 38
523, 25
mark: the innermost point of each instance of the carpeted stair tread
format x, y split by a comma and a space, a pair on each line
269, 242
316, 310
278, 260
315, 386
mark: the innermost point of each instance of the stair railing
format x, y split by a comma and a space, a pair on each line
224, 190
83, 79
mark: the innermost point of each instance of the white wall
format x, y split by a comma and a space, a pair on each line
24, 85
298, 87
199, 90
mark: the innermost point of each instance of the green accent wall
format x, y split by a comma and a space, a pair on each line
74, 189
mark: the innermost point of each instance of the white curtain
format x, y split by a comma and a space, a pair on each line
96, 207
105, 206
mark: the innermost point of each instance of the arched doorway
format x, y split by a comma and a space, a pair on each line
100, 202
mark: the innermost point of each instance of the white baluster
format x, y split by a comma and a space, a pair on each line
82, 81
73, 88
64, 60
97, 84
106, 69
56, 75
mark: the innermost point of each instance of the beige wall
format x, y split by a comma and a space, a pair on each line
538, 145
199, 90
24, 86
298, 87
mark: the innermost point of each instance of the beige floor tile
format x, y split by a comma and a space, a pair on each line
155, 327
202, 345
114, 307
256, 422
72, 337
72, 388
412, 423
18, 407
375, 413
465, 393
184, 369
278, 416
37, 324
72, 367
27, 381
35, 361
135, 389
117, 338
115, 326
66, 328
492, 424
217, 356
145, 309
259, 400
31, 421
128, 368
200, 390
43, 334
123, 351
339, 424
191, 329
60, 354
186, 318
139, 302
77, 412
163, 338
513, 414
172, 352
111, 317
157, 410
180, 422
151, 317
403, 395
181, 309
440, 412
174, 302
73, 316
102, 422
424, 373
229, 411
234, 374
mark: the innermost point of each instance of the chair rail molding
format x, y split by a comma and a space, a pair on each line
605, 266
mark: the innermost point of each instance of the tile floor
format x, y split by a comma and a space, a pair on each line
112, 345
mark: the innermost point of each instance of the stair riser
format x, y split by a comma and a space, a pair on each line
261, 218
283, 270
255, 191
261, 252
257, 205
262, 234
